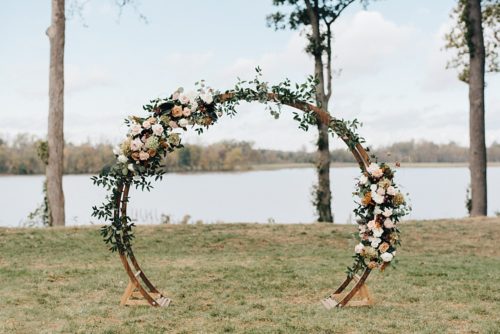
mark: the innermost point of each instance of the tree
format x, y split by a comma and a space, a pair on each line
55, 134
475, 20
316, 18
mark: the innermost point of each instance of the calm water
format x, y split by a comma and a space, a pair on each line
282, 196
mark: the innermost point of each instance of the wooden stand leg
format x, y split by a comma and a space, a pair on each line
359, 295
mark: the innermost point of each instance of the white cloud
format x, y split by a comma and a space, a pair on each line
437, 77
367, 41
79, 79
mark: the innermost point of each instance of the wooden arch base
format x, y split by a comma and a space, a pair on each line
140, 291
359, 295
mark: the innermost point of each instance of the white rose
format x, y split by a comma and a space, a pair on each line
363, 179
374, 170
391, 191
191, 95
371, 224
386, 257
387, 212
373, 187
377, 232
135, 129
359, 248
146, 124
375, 242
362, 228
377, 210
183, 122
136, 144
388, 223
123, 159
207, 98
379, 199
184, 98
157, 129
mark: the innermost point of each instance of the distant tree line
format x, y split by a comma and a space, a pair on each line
19, 156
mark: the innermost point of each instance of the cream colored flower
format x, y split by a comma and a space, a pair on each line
183, 122
381, 191
207, 98
379, 199
136, 144
359, 248
173, 124
363, 179
374, 170
371, 224
183, 98
186, 111
135, 129
386, 257
157, 129
391, 191
122, 159
377, 232
387, 212
146, 124
375, 242
388, 223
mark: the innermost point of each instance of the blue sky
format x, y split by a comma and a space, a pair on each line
392, 69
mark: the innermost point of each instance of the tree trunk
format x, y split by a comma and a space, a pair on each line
55, 134
477, 155
323, 195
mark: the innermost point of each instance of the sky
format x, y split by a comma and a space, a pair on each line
388, 58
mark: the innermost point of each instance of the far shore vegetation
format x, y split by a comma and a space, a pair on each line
18, 156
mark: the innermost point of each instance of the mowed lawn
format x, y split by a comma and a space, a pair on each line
249, 278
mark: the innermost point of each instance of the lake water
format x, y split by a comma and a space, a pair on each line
281, 196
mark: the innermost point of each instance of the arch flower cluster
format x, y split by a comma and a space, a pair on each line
151, 138
380, 208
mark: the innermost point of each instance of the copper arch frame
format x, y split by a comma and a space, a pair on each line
148, 291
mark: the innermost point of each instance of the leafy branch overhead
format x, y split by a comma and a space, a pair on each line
459, 37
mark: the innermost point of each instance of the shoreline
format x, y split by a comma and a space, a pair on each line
271, 167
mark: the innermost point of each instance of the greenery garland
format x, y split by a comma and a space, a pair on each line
151, 138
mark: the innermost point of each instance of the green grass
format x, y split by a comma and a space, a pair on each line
244, 278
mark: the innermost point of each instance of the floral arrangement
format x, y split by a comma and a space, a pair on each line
379, 211
150, 138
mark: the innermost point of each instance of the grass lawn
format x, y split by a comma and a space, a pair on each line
247, 278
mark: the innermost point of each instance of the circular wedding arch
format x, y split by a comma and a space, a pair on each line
150, 138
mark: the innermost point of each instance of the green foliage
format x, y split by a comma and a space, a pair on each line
42, 149
41, 215
459, 37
